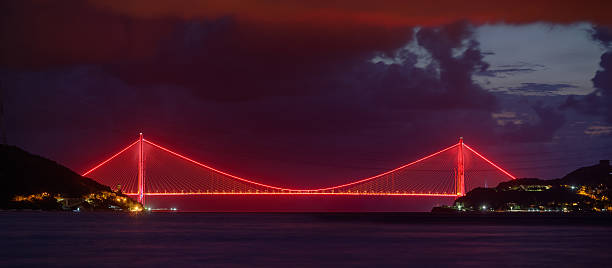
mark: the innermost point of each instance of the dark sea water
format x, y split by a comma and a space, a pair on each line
43, 239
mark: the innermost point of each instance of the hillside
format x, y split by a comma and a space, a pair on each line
585, 189
592, 175
24, 176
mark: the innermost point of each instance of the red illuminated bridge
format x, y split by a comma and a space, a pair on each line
144, 168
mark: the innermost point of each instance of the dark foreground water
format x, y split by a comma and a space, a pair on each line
290, 240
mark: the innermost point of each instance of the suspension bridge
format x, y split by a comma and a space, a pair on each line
144, 168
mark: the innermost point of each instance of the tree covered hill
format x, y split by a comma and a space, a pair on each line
26, 177
585, 189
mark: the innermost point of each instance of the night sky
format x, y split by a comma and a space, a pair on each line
308, 94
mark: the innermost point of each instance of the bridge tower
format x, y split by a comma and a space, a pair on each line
141, 174
460, 175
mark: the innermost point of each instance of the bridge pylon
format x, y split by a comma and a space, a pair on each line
141, 173
460, 177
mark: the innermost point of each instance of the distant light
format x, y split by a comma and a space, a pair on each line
484, 207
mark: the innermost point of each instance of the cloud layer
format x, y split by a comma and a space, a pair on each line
280, 85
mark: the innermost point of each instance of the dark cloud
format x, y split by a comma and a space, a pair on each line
602, 34
224, 60
511, 69
540, 88
549, 120
599, 102
506, 72
456, 72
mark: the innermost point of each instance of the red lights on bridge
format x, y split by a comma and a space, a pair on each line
216, 170
168, 173
489, 161
110, 158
